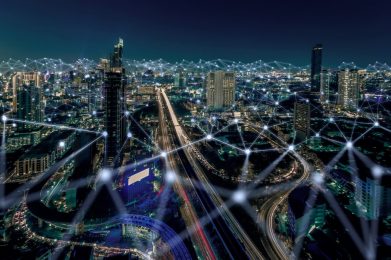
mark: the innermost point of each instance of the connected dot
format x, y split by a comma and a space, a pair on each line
105, 175
239, 196
170, 177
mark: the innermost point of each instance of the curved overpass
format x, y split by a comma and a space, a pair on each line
64, 220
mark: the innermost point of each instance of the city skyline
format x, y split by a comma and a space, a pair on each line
167, 130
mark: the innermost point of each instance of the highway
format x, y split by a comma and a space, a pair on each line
234, 238
274, 247
187, 210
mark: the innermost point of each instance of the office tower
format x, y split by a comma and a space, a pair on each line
348, 89
180, 80
302, 120
115, 122
220, 89
29, 106
316, 67
325, 80
24, 78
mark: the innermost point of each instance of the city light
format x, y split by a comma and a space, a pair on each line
230, 155
105, 175
239, 196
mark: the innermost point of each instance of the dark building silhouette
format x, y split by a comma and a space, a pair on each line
316, 67
302, 120
29, 106
115, 122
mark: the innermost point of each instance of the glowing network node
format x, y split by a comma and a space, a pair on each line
163, 154
105, 175
239, 196
61, 144
291, 147
317, 135
236, 120
127, 113
349, 145
129, 135
247, 151
265, 127
13, 124
317, 178
377, 171
94, 113
4, 118
170, 177
376, 124
209, 137
105, 134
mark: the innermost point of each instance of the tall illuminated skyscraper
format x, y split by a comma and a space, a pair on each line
302, 120
115, 122
316, 67
325, 80
27, 98
348, 88
24, 79
220, 89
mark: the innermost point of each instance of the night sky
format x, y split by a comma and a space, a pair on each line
242, 30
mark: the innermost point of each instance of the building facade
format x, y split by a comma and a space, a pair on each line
302, 120
220, 90
316, 67
348, 89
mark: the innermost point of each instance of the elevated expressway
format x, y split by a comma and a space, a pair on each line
64, 221
235, 240
274, 247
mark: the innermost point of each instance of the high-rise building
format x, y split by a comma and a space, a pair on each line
180, 80
348, 88
24, 78
220, 89
325, 80
316, 67
29, 106
114, 104
302, 120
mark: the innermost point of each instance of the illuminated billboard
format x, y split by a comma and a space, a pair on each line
138, 176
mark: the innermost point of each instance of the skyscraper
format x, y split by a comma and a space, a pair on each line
24, 78
325, 79
302, 120
28, 106
220, 89
316, 67
115, 122
348, 88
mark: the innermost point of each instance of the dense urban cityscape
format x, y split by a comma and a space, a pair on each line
121, 158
